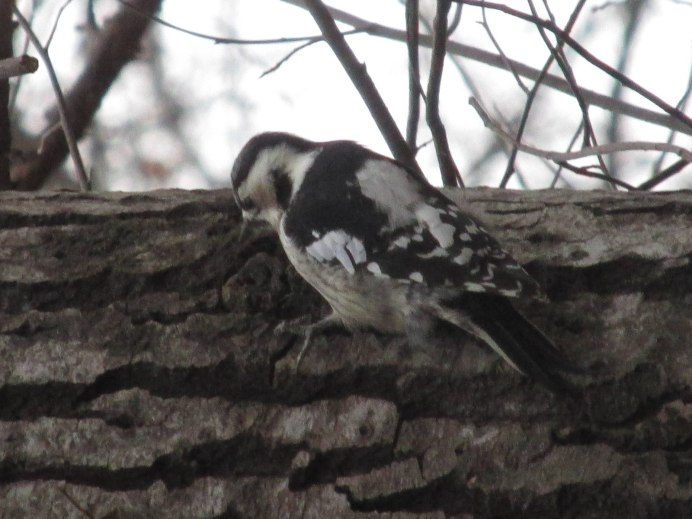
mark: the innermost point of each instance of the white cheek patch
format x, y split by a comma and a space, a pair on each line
348, 250
259, 181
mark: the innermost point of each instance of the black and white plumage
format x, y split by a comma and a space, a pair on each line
387, 250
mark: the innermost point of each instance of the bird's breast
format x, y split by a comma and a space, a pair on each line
360, 299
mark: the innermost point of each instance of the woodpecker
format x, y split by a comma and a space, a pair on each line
388, 251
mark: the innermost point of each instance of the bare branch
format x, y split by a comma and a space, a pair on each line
494, 60
682, 104
448, 169
60, 99
414, 87
55, 24
216, 39
364, 84
305, 45
634, 15
626, 81
456, 20
288, 56
17, 66
664, 175
496, 44
25, 47
590, 138
561, 60
116, 44
509, 170
572, 141
468, 81
586, 172
560, 156
6, 51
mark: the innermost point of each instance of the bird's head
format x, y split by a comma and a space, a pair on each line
267, 173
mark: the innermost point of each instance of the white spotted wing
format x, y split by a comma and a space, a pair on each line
399, 227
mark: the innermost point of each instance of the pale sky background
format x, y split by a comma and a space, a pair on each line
227, 102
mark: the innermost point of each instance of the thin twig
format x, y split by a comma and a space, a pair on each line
217, 39
468, 81
364, 84
634, 15
509, 170
17, 66
664, 175
456, 19
626, 81
607, 5
558, 156
448, 169
414, 87
494, 60
288, 56
553, 183
55, 24
557, 51
681, 105
424, 144
499, 50
91, 23
112, 48
546, 6
17, 84
559, 57
6, 57
585, 172
66, 127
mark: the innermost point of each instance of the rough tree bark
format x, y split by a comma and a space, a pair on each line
141, 375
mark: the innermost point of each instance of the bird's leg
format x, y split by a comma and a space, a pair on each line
329, 323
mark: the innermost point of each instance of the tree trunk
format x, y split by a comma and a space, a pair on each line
142, 375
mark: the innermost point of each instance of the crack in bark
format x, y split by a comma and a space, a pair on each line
244, 455
623, 275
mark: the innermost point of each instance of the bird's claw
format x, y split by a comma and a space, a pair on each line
296, 326
300, 326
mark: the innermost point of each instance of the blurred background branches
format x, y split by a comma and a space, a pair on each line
162, 94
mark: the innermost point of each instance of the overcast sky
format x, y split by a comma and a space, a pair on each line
311, 95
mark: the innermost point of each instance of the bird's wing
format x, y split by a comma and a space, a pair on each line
447, 248
394, 225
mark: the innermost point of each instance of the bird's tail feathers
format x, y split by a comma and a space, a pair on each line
494, 320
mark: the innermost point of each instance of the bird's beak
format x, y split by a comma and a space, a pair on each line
249, 228
243, 231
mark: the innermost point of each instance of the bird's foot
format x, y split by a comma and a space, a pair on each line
300, 326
